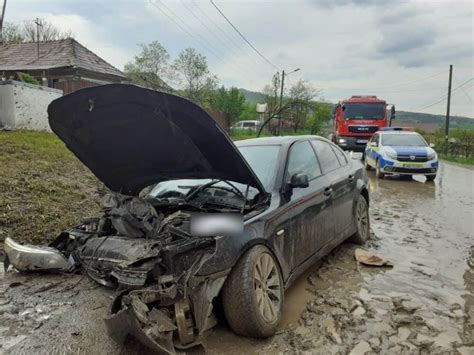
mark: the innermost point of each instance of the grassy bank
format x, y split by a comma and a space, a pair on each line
44, 188
460, 160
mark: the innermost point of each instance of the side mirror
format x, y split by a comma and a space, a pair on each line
373, 144
432, 145
299, 180
392, 113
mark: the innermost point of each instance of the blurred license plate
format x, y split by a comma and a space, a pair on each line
413, 166
362, 141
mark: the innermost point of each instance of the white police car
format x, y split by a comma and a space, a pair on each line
395, 151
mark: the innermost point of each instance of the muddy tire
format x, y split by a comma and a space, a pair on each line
362, 220
252, 295
366, 164
430, 177
378, 172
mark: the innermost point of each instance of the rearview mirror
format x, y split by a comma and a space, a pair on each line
299, 180
432, 145
392, 113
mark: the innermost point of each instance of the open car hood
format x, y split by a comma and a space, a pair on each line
131, 137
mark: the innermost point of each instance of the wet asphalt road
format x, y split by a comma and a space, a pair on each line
424, 304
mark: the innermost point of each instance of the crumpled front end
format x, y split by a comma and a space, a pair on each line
151, 258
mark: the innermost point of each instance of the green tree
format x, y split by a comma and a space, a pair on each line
301, 96
194, 77
248, 112
320, 116
231, 102
151, 67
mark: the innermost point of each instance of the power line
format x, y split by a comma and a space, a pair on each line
228, 39
465, 93
212, 33
198, 38
445, 96
243, 37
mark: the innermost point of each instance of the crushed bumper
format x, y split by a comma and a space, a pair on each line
165, 319
26, 257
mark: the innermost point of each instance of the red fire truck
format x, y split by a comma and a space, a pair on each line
357, 119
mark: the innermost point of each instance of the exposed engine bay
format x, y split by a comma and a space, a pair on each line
149, 255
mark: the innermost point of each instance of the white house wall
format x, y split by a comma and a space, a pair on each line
24, 106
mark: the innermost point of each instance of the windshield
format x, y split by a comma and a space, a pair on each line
180, 188
411, 140
364, 111
263, 161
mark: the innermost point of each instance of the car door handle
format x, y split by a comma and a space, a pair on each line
328, 191
351, 178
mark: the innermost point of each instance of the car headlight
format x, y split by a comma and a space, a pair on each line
341, 141
390, 155
432, 156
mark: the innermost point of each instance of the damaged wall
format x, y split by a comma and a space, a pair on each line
24, 106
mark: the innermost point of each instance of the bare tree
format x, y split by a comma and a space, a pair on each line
194, 77
46, 31
151, 67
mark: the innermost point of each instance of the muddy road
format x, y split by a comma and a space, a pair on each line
423, 304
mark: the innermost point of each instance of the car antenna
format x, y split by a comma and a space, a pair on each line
245, 198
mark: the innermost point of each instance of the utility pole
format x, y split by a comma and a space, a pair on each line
38, 24
446, 142
1, 20
281, 100
281, 95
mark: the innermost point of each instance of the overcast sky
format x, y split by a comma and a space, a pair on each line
397, 50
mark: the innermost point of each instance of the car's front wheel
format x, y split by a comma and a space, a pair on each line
378, 171
362, 220
253, 294
430, 177
366, 164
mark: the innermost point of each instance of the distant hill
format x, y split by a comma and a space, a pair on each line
401, 116
418, 117
252, 96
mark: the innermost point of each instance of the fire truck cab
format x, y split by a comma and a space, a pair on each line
357, 119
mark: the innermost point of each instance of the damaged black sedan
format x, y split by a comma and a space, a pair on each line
192, 217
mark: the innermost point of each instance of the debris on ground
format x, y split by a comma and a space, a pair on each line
368, 258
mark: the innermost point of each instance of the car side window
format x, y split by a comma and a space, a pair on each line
340, 156
326, 156
301, 159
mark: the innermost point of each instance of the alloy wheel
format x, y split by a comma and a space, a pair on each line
362, 218
268, 288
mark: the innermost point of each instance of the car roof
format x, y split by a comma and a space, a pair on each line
280, 140
398, 132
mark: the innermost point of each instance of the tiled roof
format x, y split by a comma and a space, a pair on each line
53, 54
